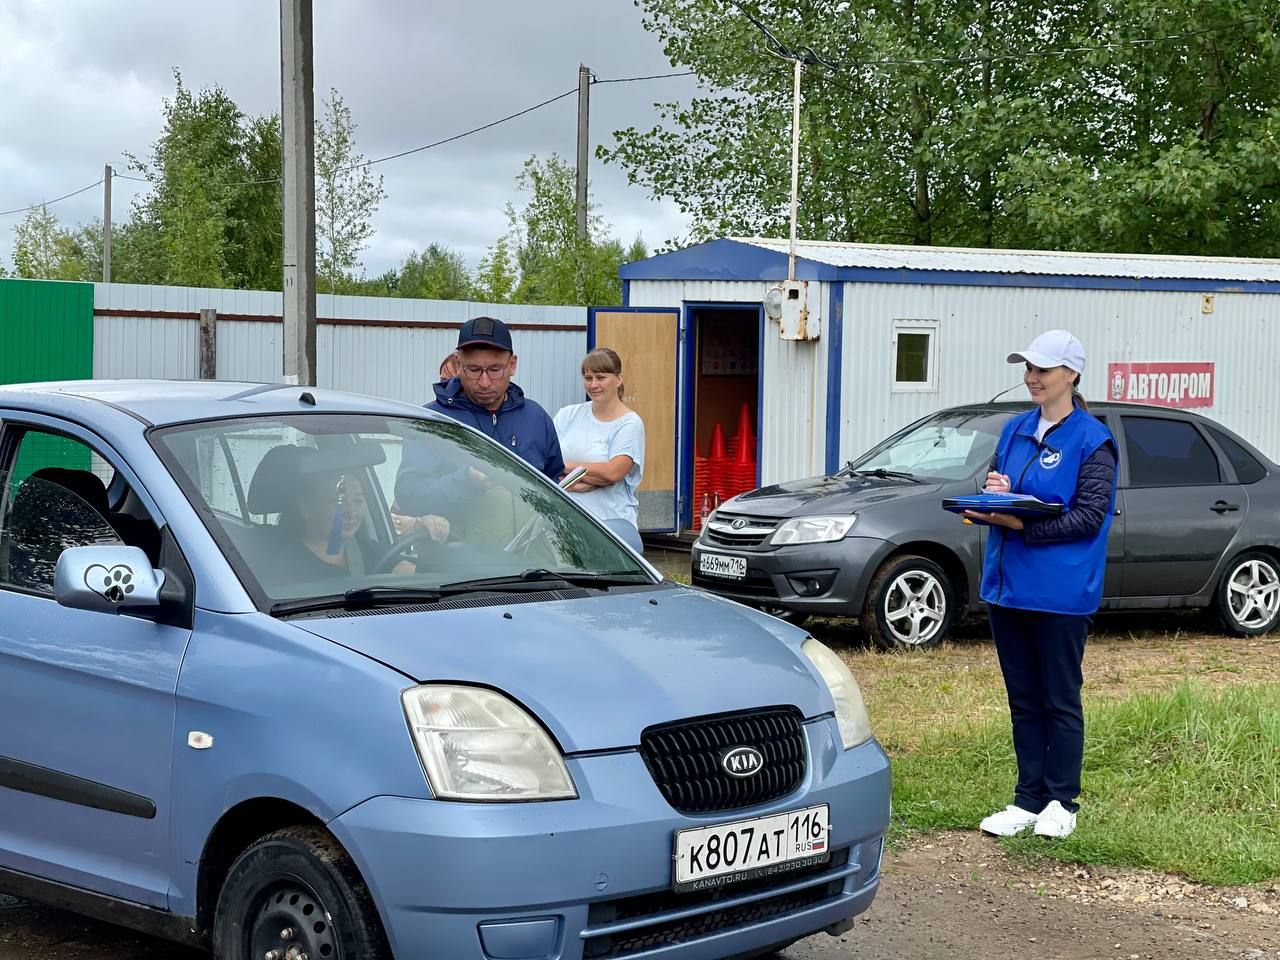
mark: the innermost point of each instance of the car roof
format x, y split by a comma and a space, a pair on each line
1095, 407
162, 402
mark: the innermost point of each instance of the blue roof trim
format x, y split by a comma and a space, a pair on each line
724, 260
733, 260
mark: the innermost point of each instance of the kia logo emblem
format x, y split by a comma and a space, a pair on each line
738, 524
742, 762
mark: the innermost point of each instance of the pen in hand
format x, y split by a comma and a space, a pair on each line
997, 483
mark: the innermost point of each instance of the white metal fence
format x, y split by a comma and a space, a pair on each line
382, 346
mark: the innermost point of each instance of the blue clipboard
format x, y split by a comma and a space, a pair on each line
1015, 503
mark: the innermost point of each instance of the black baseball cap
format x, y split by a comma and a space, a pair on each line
485, 332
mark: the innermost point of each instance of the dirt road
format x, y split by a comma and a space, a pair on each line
953, 897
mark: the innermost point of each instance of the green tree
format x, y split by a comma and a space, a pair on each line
1188, 160
43, 250
931, 128
554, 263
437, 273
347, 196
258, 207
137, 251
496, 275
213, 214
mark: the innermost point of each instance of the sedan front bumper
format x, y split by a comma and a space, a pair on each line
822, 579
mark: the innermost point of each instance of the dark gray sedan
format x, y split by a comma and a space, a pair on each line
1197, 524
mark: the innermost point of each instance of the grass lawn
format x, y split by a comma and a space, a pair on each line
1182, 749
1182, 742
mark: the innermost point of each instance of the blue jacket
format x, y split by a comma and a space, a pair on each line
1055, 565
425, 483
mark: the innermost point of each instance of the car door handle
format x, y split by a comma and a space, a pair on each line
1223, 507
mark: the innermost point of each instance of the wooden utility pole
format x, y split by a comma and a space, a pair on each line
584, 145
297, 123
106, 223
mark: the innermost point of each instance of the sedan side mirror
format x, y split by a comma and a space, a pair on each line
106, 579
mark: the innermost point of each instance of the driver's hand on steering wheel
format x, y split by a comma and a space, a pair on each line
436, 527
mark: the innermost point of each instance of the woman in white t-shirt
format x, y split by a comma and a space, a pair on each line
607, 437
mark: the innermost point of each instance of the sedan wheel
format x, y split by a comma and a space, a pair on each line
296, 895
910, 604
1249, 595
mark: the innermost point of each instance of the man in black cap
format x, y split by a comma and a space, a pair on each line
482, 396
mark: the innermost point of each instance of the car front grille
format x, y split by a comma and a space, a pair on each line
723, 909
738, 530
685, 759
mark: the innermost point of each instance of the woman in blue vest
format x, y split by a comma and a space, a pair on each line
1042, 580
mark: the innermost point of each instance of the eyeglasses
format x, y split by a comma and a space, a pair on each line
473, 372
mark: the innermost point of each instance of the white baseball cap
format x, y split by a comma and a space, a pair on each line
1057, 348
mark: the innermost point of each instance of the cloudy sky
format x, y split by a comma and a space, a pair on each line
83, 82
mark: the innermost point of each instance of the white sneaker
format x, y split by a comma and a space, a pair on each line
1055, 821
1009, 822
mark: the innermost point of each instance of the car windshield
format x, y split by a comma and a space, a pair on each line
320, 505
952, 445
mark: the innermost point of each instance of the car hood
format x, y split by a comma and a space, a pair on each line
839, 494
598, 670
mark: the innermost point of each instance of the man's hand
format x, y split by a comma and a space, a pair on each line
999, 519
436, 527
997, 483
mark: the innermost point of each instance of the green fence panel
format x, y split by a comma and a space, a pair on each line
46, 331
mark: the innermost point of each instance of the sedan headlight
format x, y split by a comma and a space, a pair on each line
812, 530
851, 711
476, 744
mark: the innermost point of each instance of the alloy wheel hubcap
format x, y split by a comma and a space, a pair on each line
1253, 593
915, 607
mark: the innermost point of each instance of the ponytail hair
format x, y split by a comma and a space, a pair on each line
1078, 397
603, 360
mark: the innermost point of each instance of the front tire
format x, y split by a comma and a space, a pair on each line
296, 891
910, 604
1249, 595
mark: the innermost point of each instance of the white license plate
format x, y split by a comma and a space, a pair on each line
708, 857
720, 565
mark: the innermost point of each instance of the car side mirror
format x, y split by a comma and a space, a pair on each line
106, 579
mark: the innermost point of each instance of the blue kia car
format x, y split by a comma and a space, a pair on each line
255, 699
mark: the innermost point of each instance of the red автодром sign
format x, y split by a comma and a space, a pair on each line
1178, 384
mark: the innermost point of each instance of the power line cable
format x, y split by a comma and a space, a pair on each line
655, 76
46, 203
393, 156
459, 136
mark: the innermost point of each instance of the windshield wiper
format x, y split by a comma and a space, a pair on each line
540, 579
356, 598
528, 581
890, 474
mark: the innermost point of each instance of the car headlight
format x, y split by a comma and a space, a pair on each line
851, 711
812, 530
476, 744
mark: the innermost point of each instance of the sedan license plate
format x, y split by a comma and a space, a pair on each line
710, 857
720, 565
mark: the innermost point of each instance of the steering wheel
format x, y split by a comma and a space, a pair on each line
398, 550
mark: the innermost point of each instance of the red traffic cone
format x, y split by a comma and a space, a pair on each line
746, 431
718, 451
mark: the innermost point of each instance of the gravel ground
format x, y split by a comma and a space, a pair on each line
949, 897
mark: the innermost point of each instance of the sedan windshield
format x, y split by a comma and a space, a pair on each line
952, 445
368, 509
